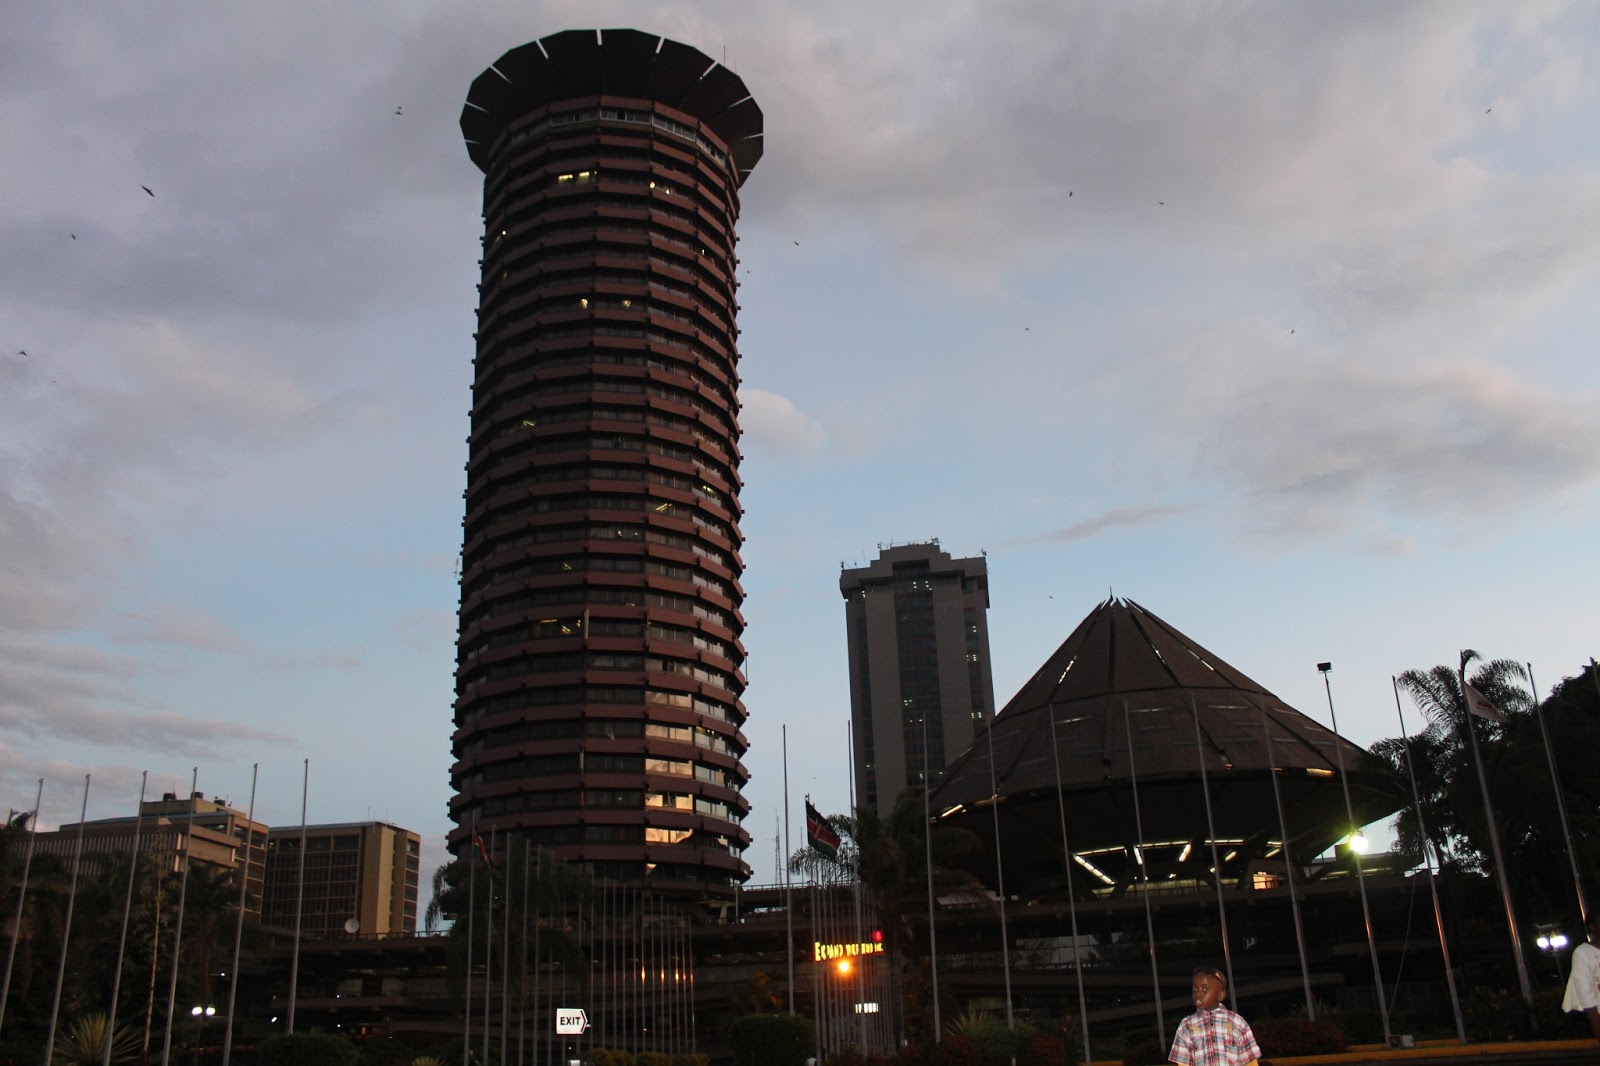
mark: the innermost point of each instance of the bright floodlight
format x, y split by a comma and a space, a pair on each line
1543, 942
196, 1010
1558, 941
843, 967
1358, 843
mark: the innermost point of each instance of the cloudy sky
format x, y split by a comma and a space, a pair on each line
1279, 319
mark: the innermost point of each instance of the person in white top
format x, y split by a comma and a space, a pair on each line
1583, 987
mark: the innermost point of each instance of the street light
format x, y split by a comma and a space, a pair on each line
1551, 941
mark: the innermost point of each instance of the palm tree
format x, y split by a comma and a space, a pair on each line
1442, 758
1517, 769
890, 853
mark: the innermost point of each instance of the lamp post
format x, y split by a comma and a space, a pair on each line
200, 1014
1551, 941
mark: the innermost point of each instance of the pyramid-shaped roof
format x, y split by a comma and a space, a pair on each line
1125, 674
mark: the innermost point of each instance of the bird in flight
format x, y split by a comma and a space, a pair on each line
24, 354
1291, 332
1487, 110
397, 110
797, 244
74, 236
146, 188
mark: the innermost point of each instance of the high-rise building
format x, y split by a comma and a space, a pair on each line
599, 664
920, 681
360, 879
218, 839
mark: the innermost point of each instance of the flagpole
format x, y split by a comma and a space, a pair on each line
488, 941
855, 885
1361, 878
999, 869
22, 895
1216, 862
1433, 889
927, 852
66, 929
127, 910
522, 948
1072, 901
1144, 874
1494, 845
299, 897
788, 888
472, 900
1289, 861
177, 931
1561, 802
238, 928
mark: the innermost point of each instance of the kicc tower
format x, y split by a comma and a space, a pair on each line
599, 665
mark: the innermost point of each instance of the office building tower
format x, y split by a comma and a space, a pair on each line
360, 879
218, 839
599, 665
920, 681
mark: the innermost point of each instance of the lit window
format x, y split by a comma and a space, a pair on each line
583, 302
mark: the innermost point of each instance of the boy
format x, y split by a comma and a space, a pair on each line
1583, 987
1213, 1035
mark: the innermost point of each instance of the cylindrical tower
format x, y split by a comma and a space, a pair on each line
599, 664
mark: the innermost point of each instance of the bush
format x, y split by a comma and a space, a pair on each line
957, 1050
996, 1043
1297, 1036
652, 1058
1492, 1015
769, 1040
1149, 1052
686, 1058
1044, 1049
1361, 1025
309, 1049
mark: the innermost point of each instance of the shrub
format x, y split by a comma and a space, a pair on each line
85, 1041
1149, 1052
1361, 1025
652, 1058
1044, 1049
1297, 1036
769, 1040
1494, 1014
957, 1050
996, 1043
309, 1049
683, 1058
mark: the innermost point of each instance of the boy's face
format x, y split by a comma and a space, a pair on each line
1208, 991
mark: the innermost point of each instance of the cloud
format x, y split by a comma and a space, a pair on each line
1115, 518
72, 692
773, 421
169, 624
1323, 447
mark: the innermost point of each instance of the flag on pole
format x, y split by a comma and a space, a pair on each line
488, 860
1483, 706
819, 834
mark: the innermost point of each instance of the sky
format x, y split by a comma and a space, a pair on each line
1277, 319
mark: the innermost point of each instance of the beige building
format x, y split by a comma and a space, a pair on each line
920, 682
360, 872
214, 835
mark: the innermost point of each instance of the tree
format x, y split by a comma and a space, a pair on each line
891, 856
1517, 769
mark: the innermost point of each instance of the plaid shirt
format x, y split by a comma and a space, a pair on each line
1214, 1038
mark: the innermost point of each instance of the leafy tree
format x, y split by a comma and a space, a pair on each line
891, 856
1517, 768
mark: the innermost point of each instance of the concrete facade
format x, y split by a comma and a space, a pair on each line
366, 872
599, 675
921, 686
